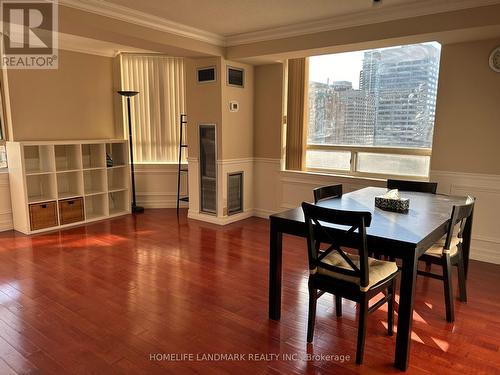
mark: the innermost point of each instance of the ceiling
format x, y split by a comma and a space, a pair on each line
230, 17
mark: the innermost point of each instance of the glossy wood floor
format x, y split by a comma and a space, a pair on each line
101, 299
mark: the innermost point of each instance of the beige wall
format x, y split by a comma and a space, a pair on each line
203, 102
467, 130
72, 102
238, 127
268, 110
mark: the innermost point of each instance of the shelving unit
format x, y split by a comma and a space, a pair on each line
48, 179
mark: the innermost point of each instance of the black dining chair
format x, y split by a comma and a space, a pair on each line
327, 192
448, 253
418, 186
355, 277
322, 193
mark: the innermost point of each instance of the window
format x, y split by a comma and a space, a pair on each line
372, 112
156, 110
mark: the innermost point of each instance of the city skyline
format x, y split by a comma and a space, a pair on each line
393, 105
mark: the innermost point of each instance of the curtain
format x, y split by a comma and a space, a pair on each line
296, 126
156, 110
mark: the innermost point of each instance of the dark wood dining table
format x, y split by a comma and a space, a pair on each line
404, 236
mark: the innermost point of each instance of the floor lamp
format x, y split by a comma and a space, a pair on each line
128, 95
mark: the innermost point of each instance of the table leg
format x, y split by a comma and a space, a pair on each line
405, 311
275, 256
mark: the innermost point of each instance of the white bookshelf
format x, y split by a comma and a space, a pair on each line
46, 173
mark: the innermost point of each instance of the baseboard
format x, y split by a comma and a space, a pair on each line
219, 220
262, 213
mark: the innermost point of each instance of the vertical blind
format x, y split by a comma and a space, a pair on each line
157, 108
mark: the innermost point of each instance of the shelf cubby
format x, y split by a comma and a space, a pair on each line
94, 181
39, 159
118, 154
96, 206
41, 187
118, 202
117, 178
68, 157
69, 184
93, 156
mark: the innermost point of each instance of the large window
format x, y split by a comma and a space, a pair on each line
372, 112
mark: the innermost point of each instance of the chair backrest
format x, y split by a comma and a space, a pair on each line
325, 192
315, 218
419, 186
459, 215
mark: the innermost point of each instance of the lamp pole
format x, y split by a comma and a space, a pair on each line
128, 95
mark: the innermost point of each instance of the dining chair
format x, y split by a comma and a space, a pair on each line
327, 192
322, 193
356, 277
447, 253
418, 186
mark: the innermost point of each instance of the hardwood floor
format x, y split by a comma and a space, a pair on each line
104, 298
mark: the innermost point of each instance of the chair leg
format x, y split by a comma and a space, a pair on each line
338, 305
363, 314
313, 296
461, 278
448, 288
390, 308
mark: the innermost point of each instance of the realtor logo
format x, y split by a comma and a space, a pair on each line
29, 39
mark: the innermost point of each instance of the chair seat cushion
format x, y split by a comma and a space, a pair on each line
437, 249
378, 269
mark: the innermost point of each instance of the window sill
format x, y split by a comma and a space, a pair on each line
333, 174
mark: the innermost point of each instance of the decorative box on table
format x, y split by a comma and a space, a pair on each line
392, 201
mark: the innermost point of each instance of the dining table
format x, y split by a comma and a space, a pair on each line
399, 235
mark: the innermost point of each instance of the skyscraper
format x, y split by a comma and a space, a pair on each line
394, 106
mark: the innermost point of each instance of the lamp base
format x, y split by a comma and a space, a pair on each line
137, 209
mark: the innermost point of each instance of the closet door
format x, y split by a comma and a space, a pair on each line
208, 169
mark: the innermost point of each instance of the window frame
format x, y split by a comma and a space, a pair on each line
354, 150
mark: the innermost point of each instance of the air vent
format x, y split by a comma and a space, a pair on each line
206, 75
235, 76
234, 193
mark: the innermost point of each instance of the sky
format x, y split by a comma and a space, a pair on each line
337, 67
340, 67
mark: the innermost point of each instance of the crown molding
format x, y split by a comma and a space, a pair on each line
121, 13
374, 15
74, 43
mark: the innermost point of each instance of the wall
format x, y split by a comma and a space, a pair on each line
467, 128
237, 134
267, 111
72, 102
465, 152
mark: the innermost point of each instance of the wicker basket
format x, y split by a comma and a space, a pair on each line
43, 215
71, 210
